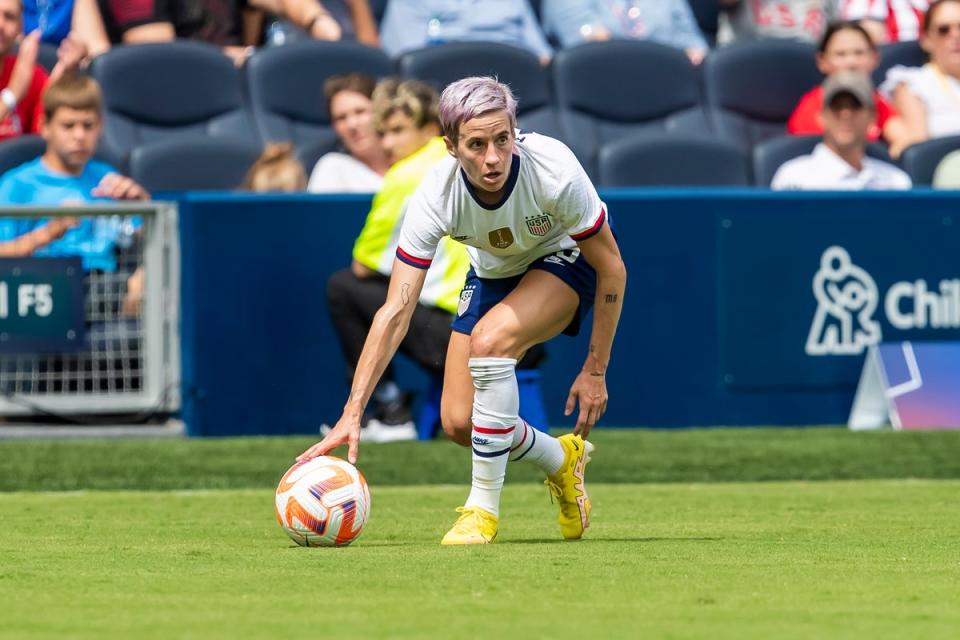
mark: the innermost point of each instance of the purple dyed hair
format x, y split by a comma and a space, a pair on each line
471, 97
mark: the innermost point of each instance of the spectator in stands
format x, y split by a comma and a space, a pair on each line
406, 115
277, 170
840, 161
928, 97
21, 78
803, 20
51, 17
232, 24
887, 20
846, 46
415, 24
67, 174
669, 22
361, 168
322, 20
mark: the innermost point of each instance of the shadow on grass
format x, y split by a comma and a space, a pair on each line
601, 540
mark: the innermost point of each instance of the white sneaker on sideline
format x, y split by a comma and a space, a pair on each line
376, 431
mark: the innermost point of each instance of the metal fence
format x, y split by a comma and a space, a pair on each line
129, 359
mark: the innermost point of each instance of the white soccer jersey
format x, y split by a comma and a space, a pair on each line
549, 204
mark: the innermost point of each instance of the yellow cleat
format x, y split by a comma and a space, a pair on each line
568, 488
474, 526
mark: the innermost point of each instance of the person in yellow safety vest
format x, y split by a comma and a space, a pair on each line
406, 117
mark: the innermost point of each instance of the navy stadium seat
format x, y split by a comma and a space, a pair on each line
770, 154
285, 85
201, 163
664, 159
921, 160
170, 90
15, 151
609, 90
440, 65
753, 87
908, 54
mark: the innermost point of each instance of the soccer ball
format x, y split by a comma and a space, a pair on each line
323, 502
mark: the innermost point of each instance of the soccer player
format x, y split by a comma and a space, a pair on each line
541, 252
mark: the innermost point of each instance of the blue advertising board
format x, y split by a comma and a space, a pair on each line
41, 305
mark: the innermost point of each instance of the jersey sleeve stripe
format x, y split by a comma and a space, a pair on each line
594, 230
413, 261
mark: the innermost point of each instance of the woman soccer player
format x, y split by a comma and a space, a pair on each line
541, 252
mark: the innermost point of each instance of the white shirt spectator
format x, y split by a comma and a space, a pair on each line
824, 170
337, 172
939, 92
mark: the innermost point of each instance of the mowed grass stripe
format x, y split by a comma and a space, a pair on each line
878, 559
693, 455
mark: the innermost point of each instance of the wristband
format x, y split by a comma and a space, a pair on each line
8, 98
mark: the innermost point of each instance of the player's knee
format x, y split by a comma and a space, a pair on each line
457, 425
491, 344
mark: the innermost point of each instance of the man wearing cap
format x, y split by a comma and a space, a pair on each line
840, 162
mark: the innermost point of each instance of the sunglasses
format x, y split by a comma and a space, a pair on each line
945, 29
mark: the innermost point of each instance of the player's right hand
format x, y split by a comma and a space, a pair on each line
346, 431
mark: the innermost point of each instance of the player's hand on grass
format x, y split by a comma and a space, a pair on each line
590, 391
346, 431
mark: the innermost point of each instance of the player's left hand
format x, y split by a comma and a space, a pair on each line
590, 391
120, 187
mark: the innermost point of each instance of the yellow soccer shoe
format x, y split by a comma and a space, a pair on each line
568, 488
474, 526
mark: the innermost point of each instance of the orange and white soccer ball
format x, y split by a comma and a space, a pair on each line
323, 502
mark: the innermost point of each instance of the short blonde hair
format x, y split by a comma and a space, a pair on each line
73, 91
418, 100
276, 170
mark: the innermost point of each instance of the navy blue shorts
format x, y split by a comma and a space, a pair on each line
479, 295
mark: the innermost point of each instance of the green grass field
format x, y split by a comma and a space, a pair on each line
665, 558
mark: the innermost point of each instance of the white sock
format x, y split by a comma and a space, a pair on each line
537, 447
496, 403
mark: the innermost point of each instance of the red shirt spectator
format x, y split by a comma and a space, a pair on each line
29, 112
805, 118
887, 20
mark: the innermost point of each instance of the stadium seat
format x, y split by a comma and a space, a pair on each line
672, 160
15, 151
285, 85
909, 54
753, 87
201, 163
770, 154
443, 64
609, 90
921, 160
155, 92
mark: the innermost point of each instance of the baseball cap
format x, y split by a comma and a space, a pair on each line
856, 84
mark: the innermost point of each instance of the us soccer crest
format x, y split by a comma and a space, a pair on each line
539, 225
465, 297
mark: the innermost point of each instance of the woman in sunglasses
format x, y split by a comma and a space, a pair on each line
928, 98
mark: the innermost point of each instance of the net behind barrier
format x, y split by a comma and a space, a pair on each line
128, 358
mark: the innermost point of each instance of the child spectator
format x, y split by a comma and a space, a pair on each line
277, 170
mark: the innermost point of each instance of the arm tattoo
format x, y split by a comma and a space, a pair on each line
610, 298
405, 293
